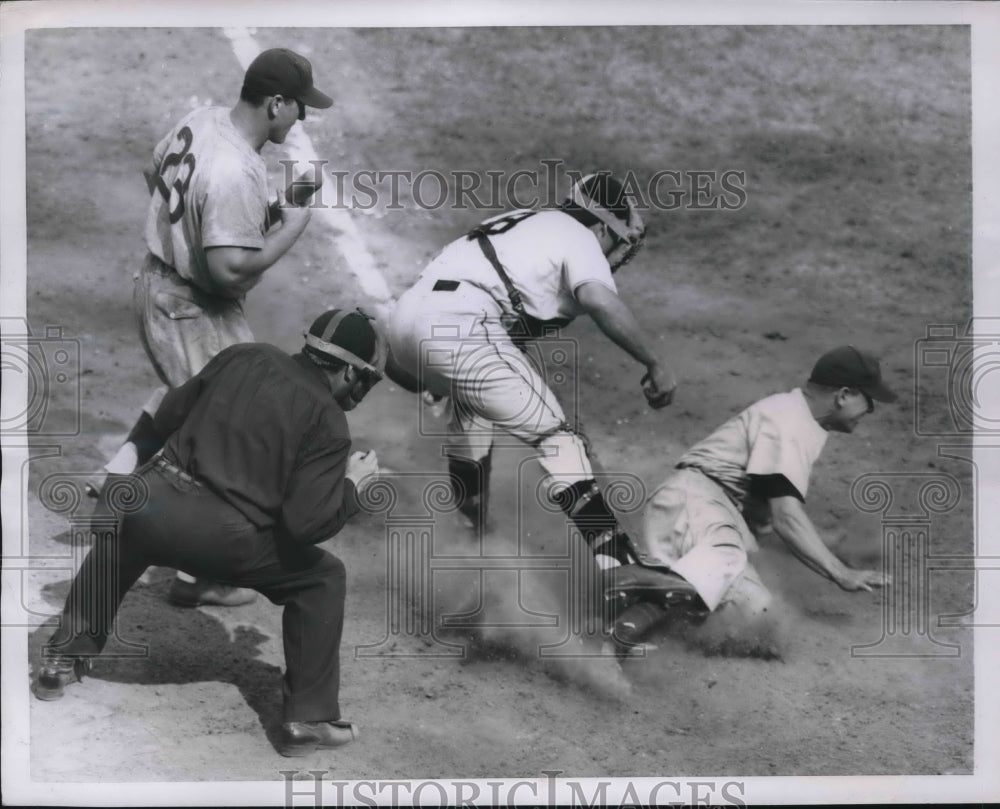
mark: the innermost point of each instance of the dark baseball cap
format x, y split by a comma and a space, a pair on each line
279, 71
849, 367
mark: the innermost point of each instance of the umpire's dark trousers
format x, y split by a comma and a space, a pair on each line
184, 525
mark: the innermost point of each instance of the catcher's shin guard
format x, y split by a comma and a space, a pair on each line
584, 504
470, 483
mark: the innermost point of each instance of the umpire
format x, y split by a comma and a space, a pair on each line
256, 470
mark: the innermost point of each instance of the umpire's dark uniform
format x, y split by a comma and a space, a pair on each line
251, 477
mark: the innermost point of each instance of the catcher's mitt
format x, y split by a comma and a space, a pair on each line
655, 397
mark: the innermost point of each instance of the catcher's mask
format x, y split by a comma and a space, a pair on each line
342, 335
629, 232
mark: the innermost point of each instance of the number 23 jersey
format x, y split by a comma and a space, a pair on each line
211, 191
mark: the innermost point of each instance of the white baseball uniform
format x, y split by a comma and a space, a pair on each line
211, 191
692, 522
449, 331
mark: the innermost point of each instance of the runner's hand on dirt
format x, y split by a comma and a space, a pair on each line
852, 579
362, 469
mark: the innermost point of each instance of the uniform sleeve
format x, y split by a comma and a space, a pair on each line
584, 262
777, 449
160, 151
764, 487
234, 212
319, 499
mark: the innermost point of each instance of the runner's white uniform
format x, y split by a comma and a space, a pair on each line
452, 337
692, 522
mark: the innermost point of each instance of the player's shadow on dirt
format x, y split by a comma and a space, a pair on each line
183, 646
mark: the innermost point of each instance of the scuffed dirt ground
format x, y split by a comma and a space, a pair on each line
855, 144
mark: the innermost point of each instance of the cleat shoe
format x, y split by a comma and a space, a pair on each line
633, 625
201, 593
303, 738
58, 672
627, 584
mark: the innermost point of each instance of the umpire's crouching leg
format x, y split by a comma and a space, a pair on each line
311, 585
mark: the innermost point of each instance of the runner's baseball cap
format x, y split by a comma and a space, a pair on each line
849, 367
279, 71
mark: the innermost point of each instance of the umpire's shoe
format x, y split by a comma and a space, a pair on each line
58, 672
303, 738
627, 584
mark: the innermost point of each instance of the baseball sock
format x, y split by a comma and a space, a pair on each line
584, 504
141, 444
124, 461
145, 438
470, 483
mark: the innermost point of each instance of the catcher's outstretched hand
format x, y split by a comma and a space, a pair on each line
658, 386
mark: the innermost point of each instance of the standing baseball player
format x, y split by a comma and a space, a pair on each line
693, 551
256, 470
211, 236
457, 332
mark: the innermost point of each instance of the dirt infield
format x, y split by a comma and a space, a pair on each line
854, 225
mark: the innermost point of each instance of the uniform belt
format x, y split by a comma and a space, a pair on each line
173, 469
692, 468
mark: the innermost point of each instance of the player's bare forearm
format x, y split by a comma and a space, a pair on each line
793, 525
615, 319
236, 270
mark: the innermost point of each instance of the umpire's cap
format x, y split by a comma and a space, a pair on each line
849, 367
343, 336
